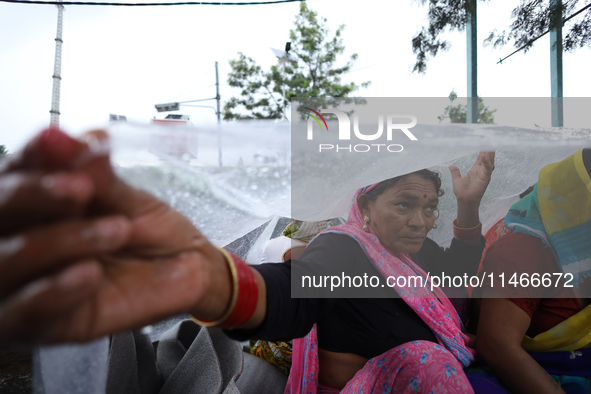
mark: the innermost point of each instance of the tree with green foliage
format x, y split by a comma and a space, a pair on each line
315, 74
457, 113
531, 18
3, 151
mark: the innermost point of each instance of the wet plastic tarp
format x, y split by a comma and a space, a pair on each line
237, 182
257, 183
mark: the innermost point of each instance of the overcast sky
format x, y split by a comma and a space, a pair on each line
123, 60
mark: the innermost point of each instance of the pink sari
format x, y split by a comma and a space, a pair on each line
418, 366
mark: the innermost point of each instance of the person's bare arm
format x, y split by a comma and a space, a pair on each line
470, 188
501, 328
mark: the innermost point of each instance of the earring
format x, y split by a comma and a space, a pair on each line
365, 223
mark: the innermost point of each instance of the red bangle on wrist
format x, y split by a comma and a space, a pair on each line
467, 234
245, 295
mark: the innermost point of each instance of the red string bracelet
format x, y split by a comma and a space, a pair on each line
467, 234
245, 295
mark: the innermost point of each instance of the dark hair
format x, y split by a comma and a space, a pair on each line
433, 176
527, 191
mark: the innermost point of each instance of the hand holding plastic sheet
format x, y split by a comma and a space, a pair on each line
65, 275
471, 187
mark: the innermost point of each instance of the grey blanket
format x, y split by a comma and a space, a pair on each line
189, 360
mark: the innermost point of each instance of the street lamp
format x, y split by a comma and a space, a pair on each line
284, 57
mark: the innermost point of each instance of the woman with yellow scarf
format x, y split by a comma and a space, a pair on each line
536, 338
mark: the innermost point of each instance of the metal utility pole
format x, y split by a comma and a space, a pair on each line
283, 89
284, 57
287, 49
556, 64
217, 97
217, 90
57, 69
472, 51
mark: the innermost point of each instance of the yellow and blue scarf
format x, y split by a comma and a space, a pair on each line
558, 211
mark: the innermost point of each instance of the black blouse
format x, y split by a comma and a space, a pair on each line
364, 326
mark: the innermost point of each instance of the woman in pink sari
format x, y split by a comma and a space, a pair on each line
407, 340
387, 240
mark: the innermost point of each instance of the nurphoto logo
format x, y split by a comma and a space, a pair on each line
344, 133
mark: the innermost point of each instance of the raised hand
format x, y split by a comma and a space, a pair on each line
471, 187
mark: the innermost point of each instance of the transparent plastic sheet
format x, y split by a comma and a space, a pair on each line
181, 165
341, 145
264, 179
324, 179
255, 187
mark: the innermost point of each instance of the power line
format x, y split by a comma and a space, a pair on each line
373, 65
186, 93
145, 4
194, 83
541, 35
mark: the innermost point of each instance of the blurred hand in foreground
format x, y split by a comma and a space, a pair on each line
83, 254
